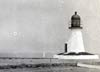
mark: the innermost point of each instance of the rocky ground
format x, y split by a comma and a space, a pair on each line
62, 67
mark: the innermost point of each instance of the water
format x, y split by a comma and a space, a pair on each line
31, 61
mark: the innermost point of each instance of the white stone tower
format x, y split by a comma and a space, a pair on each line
75, 42
74, 48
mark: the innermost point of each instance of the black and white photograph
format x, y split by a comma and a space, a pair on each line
49, 35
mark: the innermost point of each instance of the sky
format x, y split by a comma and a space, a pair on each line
36, 26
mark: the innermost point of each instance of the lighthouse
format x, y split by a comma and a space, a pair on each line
75, 42
74, 47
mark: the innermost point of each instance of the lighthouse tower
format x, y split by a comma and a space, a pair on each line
74, 47
75, 42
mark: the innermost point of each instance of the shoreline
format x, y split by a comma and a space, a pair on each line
41, 65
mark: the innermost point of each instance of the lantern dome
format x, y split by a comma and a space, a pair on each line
75, 21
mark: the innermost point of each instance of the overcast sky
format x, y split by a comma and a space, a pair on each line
33, 26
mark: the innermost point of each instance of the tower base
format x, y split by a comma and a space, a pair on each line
72, 55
